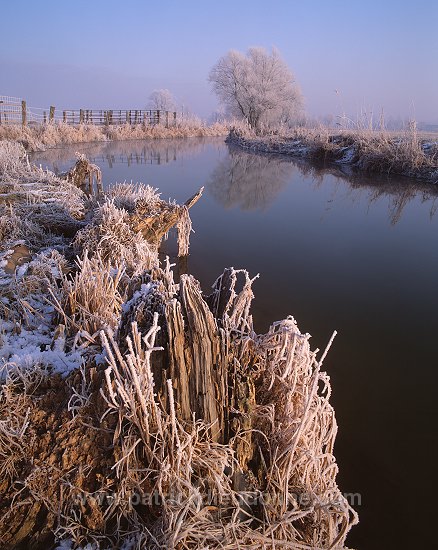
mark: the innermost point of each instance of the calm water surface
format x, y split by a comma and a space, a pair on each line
343, 252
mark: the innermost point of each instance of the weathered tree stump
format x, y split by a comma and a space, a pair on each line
153, 226
86, 176
225, 435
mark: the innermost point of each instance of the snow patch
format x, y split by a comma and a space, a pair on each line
145, 289
24, 349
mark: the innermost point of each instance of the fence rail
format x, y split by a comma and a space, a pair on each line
14, 110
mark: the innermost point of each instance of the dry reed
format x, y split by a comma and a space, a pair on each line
38, 137
126, 195
113, 458
91, 299
405, 153
189, 478
14, 420
111, 236
27, 185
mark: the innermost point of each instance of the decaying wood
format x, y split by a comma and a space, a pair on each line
216, 391
197, 358
86, 176
207, 382
153, 226
227, 434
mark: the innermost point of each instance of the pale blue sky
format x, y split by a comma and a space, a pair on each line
107, 54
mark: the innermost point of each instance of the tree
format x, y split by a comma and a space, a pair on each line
162, 100
257, 87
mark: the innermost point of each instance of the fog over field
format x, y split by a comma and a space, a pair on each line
347, 57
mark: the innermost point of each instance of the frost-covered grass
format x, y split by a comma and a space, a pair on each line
25, 184
42, 285
405, 153
39, 137
98, 355
27, 334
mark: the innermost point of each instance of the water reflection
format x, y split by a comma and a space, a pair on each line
112, 153
249, 181
399, 191
252, 181
320, 237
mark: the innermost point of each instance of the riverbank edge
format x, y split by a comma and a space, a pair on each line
42, 137
72, 388
415, 158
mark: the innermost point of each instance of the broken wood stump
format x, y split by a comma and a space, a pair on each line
154, 225
86, 176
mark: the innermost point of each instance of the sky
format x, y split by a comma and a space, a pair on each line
347, 56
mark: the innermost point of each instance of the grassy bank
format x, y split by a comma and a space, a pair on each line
136, 411
42, 136
405, 153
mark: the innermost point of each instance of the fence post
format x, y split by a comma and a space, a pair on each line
51, 113
23, 113
158, 117
44, 117
174, 118
64, 116
81, 116
167, 119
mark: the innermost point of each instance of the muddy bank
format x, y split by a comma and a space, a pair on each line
137, 411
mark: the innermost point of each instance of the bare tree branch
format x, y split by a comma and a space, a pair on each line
258, 87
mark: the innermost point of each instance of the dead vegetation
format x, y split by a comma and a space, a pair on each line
406, 153
39, 137
85, 176
173, 425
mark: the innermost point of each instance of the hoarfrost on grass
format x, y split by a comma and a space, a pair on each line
25, 349
145, 289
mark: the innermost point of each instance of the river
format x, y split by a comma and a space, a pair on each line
336, 250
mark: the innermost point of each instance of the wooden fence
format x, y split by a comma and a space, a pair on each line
14, 110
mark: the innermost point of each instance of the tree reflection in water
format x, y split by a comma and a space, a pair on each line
252, 181
249, 181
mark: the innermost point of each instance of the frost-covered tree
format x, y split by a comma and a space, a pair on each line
257, 87
162, 100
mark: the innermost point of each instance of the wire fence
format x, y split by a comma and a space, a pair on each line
11, 109
14, 110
